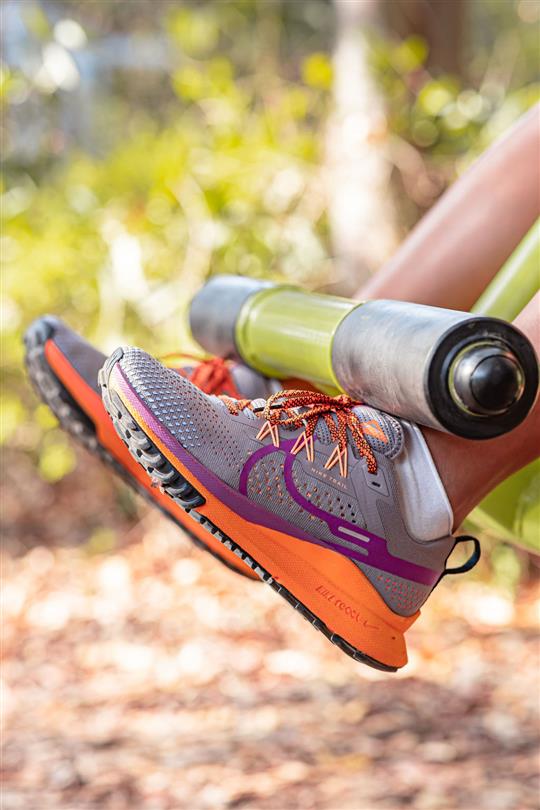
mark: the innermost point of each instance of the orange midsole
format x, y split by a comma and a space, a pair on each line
326, 582
91, 404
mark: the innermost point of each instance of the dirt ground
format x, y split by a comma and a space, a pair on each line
139, 674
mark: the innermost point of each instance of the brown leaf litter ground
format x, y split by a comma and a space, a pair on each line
148, 677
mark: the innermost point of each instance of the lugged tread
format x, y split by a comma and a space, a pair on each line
148, 455
75, 422
120, 416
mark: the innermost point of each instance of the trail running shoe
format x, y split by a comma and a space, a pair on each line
308, 490
64, 368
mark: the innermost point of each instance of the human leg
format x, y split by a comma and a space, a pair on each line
458, 247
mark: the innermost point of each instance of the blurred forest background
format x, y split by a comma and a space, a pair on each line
147, 144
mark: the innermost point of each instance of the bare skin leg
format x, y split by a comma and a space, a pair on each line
447, 261
458, 247
471, 469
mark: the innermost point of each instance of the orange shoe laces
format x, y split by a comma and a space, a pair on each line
337, 413
211, 375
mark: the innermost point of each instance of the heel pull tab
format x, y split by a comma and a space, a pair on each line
473, 559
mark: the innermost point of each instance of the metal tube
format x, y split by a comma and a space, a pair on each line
466, 374
450, 370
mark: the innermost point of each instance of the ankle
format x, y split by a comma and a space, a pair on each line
447, 454
469, 470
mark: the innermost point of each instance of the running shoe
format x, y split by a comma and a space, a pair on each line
317, 494
64, 368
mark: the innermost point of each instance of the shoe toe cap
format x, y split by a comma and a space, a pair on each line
72, 350
176, 403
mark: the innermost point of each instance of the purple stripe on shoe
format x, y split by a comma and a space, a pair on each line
372, 550
285, 446
222, 491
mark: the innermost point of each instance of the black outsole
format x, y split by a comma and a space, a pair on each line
74, 421
160, 469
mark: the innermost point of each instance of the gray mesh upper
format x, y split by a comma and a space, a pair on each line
338, 503
198, 421
386, 433
223, 443
266, 486
402, 595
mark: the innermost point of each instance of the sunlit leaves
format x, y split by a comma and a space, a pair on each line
226, 179
435, 96
194, 29
189, 82
317, 71
116, 245
57, 457
410, 54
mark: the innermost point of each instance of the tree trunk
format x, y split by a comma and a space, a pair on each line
440, 22
361, 208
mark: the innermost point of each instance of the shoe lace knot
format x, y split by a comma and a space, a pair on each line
294, 408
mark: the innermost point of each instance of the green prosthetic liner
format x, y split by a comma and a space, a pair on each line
466, 374
512, 510
516, 282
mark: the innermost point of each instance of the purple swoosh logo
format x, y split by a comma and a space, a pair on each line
372, 549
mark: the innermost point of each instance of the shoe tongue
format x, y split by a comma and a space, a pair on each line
250, 384
383, 432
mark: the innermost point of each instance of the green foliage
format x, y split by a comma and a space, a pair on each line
506, 567
116, 245
57, 457
197, 34
317, 71
442, 115
116, 241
